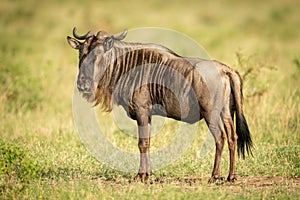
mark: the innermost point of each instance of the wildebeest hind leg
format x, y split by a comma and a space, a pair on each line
227, 119
216, 130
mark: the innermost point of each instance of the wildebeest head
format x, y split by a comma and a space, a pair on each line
92, 58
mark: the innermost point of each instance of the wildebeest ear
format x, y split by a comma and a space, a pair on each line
73, 43
108, 43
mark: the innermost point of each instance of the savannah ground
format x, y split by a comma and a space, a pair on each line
42, 156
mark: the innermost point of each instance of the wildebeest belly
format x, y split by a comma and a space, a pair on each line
184, 107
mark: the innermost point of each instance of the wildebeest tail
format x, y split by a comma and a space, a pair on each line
244, 142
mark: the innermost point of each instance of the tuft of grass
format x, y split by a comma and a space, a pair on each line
18, 93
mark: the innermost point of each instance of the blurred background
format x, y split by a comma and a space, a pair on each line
38, 69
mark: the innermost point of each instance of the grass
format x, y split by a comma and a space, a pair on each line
42, 156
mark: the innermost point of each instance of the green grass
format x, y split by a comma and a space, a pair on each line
41, 153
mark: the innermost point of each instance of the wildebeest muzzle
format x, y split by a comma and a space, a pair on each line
84, 85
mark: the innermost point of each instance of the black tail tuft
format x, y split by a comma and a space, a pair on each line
244, 142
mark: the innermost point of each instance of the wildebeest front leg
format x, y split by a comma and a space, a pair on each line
143, 122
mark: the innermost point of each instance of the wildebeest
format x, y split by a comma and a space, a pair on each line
150, 79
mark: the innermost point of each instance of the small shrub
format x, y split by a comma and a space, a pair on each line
252, 70
17, 162
296, 74
297, 63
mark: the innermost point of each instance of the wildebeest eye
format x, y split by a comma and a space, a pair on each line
108, 43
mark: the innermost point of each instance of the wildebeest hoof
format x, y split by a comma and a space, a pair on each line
216, 179
231, 179
143, 177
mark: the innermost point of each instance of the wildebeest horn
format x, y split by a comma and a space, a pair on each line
121, 36
81, 37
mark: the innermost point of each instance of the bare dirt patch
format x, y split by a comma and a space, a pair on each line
241, 185
264, 182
